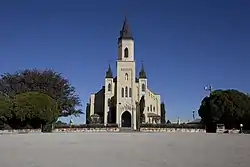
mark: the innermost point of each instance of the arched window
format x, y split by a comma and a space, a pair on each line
109, 87
126, 91
126, 52
126, 76
130, 92
122, 92
143, 87
154, 108
150, 107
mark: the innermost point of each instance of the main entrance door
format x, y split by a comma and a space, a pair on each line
126, 119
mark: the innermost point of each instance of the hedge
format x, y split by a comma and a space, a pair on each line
48, 128
186, 126
87, 126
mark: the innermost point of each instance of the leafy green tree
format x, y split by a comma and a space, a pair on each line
35, 108
59, 123
5, 109
87, 114
229, 107
163, 113
168, 122
139, 112
47, 82
112, 109
142, 106
28, 109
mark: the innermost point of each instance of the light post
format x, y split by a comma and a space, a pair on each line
241, 128
138, 123
70, 122
178, 121
208, 89
117, 116
133, 119
193, 115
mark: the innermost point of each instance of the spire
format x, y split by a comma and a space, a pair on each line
142, 73
109, 73
125, 32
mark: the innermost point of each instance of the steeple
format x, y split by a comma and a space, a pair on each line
142, 73
125, 32
109, 73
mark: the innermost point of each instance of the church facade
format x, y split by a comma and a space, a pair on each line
117, 101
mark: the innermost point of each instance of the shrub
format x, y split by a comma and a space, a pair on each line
87, 126
186, 126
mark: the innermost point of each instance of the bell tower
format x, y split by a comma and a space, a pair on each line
126, 43
126, 75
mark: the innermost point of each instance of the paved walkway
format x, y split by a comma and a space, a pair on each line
125, 150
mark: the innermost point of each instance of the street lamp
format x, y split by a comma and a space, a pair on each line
178, 121
193, 115
208, 88
70, 122
117, 115
241, 128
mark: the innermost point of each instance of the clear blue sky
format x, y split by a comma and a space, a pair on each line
184, 44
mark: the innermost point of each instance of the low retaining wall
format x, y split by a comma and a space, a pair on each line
86, 130
20, 131
79, 130
171, 130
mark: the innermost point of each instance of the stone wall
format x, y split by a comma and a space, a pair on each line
65, 130
79, 130
20, 131
171, 130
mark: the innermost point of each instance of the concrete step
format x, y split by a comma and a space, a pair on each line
125, 129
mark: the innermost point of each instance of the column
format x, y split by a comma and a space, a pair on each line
118, 116
134, 117
106, 117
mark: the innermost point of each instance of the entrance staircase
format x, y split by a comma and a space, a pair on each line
127, 130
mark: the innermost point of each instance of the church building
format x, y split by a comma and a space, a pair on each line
118, 99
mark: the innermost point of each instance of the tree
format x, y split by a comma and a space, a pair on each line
60, 123
47, 82
28, 109
87, 114
142, 106
168, 122
163, 113
112, 110
139, 112
35, 108
229, 107
5, 109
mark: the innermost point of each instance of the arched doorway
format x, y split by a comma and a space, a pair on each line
126, 119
